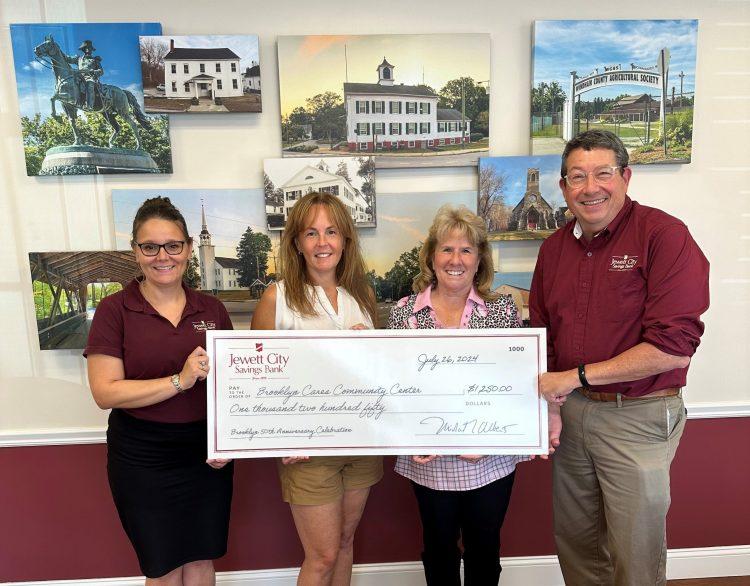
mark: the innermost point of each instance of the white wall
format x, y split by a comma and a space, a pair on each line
40, 390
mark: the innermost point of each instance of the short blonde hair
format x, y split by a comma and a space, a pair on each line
448, 220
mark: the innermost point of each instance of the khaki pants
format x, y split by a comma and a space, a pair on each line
611, 489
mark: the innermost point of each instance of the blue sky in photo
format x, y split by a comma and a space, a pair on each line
562, 46
229, 212
115, 43
515, 168
245, 46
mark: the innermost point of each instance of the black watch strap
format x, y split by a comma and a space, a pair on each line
582, 376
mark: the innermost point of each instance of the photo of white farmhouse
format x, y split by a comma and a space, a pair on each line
409, 100
351, 179
201, 73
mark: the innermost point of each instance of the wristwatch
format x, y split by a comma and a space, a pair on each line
176, 382
582, 376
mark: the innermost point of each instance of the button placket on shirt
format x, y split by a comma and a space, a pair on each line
583, 298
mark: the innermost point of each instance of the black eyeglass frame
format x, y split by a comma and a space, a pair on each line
160, 246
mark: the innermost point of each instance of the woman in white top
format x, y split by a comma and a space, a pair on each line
323, 286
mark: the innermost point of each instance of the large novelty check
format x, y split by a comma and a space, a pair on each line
284, 393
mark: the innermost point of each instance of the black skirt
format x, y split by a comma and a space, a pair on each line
173, 506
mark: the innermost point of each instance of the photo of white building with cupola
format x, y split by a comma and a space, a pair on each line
408, 100
386, 115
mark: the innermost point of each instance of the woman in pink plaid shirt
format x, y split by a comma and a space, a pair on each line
459, 496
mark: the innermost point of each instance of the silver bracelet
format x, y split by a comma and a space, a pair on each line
176, 382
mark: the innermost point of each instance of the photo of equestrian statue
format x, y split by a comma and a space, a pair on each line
635, 78
81, 100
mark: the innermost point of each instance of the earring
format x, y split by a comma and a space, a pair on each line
299, 252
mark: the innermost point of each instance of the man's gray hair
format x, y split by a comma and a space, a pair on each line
595, 139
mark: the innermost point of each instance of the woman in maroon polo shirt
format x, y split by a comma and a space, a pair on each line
146, 362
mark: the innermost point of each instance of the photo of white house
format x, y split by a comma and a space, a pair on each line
251, 78
351, 179
218, 73
389, 116
201, 73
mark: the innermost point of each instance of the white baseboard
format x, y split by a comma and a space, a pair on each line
706, 562
717, 410
80, 436
53, 437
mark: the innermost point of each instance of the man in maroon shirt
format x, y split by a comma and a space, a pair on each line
620, 291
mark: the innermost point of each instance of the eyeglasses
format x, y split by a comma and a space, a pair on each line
152, 249
601, 176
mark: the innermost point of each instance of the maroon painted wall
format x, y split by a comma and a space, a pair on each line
57, 520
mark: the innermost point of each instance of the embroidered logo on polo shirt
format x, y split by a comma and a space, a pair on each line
623, 263
203, 325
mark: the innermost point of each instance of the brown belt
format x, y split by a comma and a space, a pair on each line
597, 396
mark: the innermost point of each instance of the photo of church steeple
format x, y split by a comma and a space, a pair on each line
218, 273
532, 212
519, 197
206, 256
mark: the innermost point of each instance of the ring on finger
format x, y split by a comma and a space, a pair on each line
202, 364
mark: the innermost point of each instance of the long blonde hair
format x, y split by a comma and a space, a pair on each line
447, 220
351, 273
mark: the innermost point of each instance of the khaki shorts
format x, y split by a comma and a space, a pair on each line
323, 479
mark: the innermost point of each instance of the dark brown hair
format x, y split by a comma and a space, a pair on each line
160, 208
595, 139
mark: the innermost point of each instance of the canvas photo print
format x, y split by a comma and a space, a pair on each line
351, 179
635, 78
391, 250
67, 288
201, 73
234, 256
81, 100
519, 197
411, 100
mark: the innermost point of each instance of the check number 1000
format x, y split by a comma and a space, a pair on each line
516, 348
